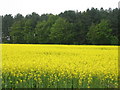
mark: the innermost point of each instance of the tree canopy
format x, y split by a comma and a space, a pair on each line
93, 26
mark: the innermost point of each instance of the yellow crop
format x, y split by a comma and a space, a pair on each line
59, 66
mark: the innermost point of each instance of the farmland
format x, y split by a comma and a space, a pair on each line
59, 66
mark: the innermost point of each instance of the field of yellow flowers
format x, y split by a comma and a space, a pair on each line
59, 66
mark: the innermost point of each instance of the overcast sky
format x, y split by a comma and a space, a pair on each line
52, 6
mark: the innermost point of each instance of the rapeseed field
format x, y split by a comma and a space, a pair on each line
59, 66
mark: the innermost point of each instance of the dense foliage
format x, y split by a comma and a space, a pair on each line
92, 26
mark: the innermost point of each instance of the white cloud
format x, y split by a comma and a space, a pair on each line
52, 6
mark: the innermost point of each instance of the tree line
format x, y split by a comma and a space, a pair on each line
93, 26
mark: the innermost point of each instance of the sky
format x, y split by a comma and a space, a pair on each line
25, 7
